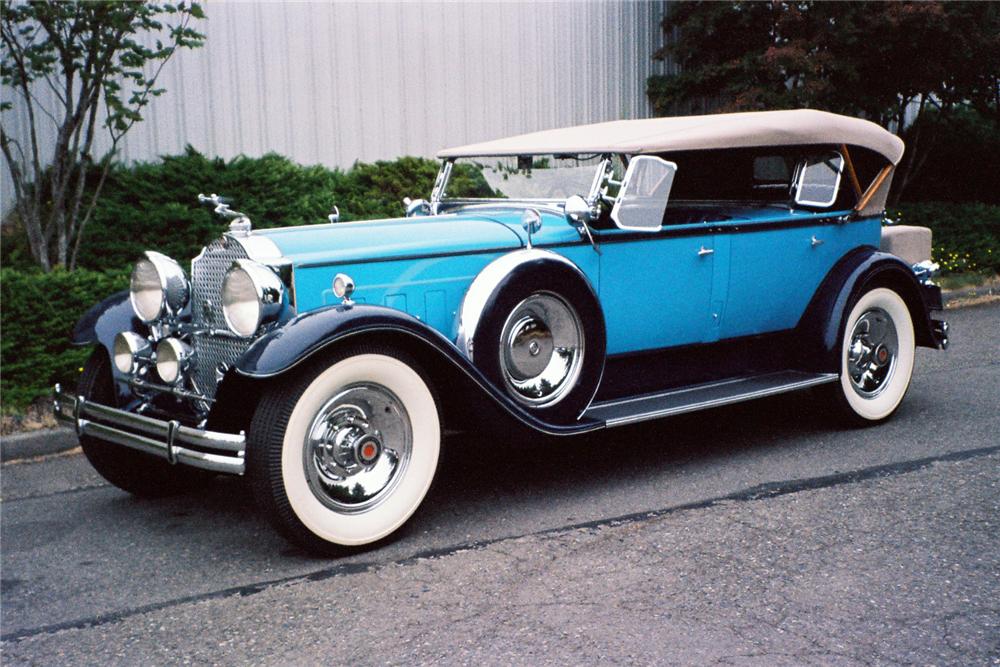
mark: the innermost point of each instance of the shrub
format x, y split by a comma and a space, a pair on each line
39, 311
155, 205
962, 161
966, 236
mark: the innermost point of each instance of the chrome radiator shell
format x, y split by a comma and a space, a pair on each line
215, 349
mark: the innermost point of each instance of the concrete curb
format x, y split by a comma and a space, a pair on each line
36, 443
988, 289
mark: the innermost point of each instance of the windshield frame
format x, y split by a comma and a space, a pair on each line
438, 198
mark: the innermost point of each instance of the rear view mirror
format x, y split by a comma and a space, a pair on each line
818, 179
644, 193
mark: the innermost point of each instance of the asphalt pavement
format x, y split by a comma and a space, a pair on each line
762, 533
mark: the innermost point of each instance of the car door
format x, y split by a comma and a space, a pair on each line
656, 289
656, 281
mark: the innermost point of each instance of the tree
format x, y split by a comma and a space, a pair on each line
888, 62
94, 59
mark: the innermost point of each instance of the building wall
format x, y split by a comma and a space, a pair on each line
333, 83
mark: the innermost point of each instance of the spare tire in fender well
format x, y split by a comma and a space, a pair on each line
533, 278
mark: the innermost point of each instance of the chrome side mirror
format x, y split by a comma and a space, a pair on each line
578, 210
416, 207
531, 220
334, 215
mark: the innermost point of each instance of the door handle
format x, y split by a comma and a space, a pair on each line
815, 241
705, 251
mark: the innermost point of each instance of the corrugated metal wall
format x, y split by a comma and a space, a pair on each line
332, 83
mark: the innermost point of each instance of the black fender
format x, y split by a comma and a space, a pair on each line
102, 321
861, 269
99, 326
305, 338
500, 286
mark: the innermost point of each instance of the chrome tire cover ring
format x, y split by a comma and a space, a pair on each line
872, 353
357, 448
541, 349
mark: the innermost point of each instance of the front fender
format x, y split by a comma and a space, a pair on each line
820, 326
104, 320
310, 334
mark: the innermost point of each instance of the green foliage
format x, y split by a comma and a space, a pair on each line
155, 205
966, 236
100, 60
864, 58
39, 311
961, 162
877, 60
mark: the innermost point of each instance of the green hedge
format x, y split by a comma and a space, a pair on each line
966, 236
154, 205
39, 311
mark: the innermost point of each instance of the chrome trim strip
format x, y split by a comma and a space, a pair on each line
822, 378
167, 439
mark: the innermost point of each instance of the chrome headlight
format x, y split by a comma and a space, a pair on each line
251, 295
158, 287
172, 359
129, 349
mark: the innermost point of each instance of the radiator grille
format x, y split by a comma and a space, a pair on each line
213, 352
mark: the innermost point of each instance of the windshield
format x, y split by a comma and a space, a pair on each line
534, 177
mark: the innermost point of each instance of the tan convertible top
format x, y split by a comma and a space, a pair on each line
681, 133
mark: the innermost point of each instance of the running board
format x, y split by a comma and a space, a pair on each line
623, 411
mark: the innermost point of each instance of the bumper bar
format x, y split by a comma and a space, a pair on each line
941, 329
208, 450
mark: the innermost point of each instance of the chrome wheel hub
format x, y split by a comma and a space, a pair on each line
872, 353
357, 448
541, 349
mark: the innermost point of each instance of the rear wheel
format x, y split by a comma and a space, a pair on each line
136, 472
342, 454
876, 357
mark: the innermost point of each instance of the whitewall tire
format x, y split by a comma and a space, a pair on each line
876, 356
342, 455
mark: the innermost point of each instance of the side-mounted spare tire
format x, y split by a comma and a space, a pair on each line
533, 325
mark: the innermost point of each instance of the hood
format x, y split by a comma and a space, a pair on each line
344, 242
396, 238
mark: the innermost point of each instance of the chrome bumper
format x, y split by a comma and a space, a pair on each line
167, 439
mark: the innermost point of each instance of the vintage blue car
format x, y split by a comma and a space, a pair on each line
565, 281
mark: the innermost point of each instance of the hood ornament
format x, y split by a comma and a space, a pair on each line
239, 223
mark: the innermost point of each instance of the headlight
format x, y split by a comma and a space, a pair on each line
172, 358
251, 295
158, 287
129, 349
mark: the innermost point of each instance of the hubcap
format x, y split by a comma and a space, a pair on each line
871, 356
357, 448
541, 349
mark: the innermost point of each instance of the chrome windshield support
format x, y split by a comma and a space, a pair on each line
169, 440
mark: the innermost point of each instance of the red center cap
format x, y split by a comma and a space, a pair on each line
368, 451
883, 355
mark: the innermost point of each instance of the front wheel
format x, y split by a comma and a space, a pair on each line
341, 455
876, 357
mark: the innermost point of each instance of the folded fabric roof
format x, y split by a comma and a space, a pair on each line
684, 133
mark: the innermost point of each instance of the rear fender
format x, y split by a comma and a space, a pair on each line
862, 269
